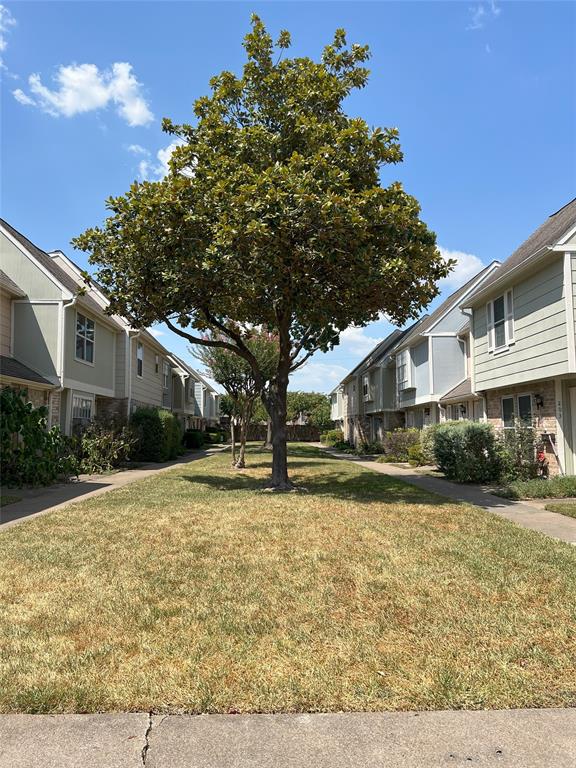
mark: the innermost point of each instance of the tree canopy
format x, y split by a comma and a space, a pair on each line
273, 215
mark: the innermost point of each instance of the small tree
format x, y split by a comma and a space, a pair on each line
273, 215
243, 388
313, 405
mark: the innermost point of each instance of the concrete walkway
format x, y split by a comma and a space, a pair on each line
551, 523
534, 738
39, 501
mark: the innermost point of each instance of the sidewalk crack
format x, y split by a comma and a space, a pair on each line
146, 746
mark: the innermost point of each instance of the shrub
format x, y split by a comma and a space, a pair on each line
397, 443
149, 434
560, 487
416, 456
332, 437
193, 438
369, 449
101, 447
427, 437
30, 453
171, 435
518, 453
214, 436
467, 452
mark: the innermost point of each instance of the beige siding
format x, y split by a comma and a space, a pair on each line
574, 289
24, 272
5, 323
36, 337
120, 383
101, 374
148, 388
540, 348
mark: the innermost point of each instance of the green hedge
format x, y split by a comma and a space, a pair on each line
30, 453
159, 435
332, 437
553, 488
467, 452
193, 438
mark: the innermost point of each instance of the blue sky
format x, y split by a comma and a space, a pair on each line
483, 93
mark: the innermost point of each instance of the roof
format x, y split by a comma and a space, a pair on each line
9, 285
545, 236
14, 369
191, 371
448, 304
460, 391
68, 282
379, 351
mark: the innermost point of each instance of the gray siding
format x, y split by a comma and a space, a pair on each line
449, 363
451, 323
36, 337
420, 368
388, 388
101, 374
5, 323
121, 373
147, 389
25, 273
574, 287
540, 348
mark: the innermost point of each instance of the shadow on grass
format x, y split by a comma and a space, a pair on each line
363, 488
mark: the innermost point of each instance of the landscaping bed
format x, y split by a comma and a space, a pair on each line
194, 592
558, 487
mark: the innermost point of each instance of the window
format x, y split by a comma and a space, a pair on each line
82, 411
139, 358
156, 364
84, 338
508, 412
366, 390
500, 317
165, 374
525, 409
403, 370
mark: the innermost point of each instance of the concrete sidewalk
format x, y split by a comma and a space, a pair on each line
537, 519
39, 501
501, 739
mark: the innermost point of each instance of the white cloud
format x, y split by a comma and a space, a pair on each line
7, 21
85, 88
20, 96
156, 332
153, 169
355, 341
467, 265
483, 13
317, 377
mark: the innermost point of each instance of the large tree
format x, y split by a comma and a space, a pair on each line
273, 215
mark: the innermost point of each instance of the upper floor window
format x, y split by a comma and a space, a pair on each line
165, 374
156, 364
139, 358
500, 314
84, 338
403, 370
366, 386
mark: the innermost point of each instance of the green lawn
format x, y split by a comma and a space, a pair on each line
192, 591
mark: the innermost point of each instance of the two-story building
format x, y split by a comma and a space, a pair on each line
433, 359
66, 350
523, 338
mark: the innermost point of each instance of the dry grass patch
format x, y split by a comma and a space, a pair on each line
192, 591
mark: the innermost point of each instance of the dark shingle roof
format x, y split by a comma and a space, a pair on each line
53, 268
447, 304
460, 391
9, 285
546, 235
14, 369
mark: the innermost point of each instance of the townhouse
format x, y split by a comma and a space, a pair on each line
194, 400
500, 349
523, 338
61, 345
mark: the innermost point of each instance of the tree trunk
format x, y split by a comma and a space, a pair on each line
276, 406
268, 442
241, 463
233, 438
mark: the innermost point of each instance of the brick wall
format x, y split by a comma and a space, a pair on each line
111, 408
545, 419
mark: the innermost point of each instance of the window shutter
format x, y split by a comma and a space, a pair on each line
490, 325
509, 318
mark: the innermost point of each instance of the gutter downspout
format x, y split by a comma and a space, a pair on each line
65, 305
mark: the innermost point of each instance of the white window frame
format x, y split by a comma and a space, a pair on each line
165, 374
514, 410
404, 362
85, 339
88, 398
366, 388
508, 323
139, 359
531, 396
157, 364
